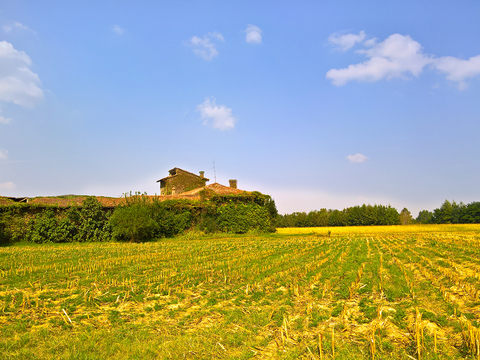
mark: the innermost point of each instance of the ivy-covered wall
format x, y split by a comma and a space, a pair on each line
138, 218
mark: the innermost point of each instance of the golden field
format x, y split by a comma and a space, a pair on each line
393, 292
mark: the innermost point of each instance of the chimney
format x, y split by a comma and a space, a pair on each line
233, 183
202, 176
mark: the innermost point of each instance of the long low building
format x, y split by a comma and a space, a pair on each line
180, 184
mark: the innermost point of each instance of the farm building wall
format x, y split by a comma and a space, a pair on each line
181, 181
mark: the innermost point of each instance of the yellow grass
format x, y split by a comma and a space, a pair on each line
387, 229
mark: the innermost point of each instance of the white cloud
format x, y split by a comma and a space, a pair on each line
117, 29
3, 155
219, 117
4, 120
254, 34
15, 25
18, 84
347, 41
204, 47
458, 70
370, 42
395, 57
7, 186
357, 158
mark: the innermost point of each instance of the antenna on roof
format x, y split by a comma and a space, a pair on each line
214, 171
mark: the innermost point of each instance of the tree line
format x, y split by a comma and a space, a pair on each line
364, 215
451, 213
353, 216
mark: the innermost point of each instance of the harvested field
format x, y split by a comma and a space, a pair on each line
370, 294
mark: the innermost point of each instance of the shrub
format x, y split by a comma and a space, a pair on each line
133, 223
87, 223
13, 225
42, 228
92, 221
143, 219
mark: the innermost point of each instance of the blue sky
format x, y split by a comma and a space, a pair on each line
317, 103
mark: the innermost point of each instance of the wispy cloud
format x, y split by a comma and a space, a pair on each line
204, 47
357, 158
219, 117
347, 41
3, 155
4, 120
18, 84
398, 56
117, 29
15, 25
7, 186
254, 34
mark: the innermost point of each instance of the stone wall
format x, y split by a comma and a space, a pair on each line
181, 182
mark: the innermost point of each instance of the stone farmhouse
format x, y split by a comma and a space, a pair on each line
179, 181
184, 184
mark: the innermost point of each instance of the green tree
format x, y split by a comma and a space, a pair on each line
337, 218
471, 213
458, 211
443, 215
317, 218
406, 217
425, 217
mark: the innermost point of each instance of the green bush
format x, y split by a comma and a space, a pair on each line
87, 223
142, 219
42, 229
3, 236
92, 221
13, 225
133, 223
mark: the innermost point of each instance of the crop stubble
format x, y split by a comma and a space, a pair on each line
385, 294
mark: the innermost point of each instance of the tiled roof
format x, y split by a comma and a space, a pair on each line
217, 188
110, 202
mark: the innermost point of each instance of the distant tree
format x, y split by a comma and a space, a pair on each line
425, 217
471, 213
458, 211
405, 217
271, 207
355, 216
300, 219
393, 217
386, 215
337, 218
317, 218
443, 215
